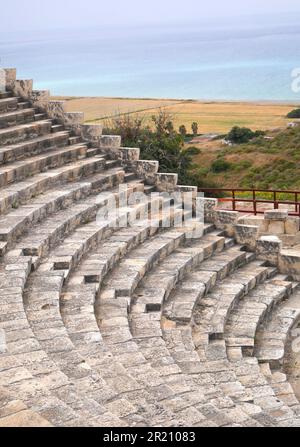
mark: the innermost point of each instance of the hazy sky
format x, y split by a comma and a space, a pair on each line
40, 14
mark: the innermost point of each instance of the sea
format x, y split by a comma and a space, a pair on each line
232, 60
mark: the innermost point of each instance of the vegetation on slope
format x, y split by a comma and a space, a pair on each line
263, 161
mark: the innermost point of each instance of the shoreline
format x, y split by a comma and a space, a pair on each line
185, 100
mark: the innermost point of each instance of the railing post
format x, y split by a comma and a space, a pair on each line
296, 202
275, 201
254, 202
233, 200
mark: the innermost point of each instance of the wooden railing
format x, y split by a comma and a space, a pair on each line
256, 197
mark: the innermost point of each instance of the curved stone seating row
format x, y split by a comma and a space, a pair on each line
181, 306
14, 413
272, 336
147, 331
216, 309
25, 369
15, 223
20, 170
16, 134
33, 147
9, 104
21, 192
217, 349
64, 362
55, 228
168, 370
251, 310
77, 311
112, 315
212, 375
16, 117
117, 405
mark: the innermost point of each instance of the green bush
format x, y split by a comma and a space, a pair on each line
220, 165
294, 114
240, 135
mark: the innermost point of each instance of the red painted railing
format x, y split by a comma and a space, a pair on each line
232, 195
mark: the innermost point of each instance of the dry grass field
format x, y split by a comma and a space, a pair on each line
212, 117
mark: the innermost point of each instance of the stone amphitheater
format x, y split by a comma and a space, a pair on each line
142, 325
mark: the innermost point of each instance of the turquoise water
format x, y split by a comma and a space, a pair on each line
199, 62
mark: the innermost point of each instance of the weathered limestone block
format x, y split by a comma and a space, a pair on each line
268, 248
189, 194
73, 118
206, 206
276, 227
257, 221
226, 220
10, 75
22, 88
110, 145
291, 225
166, 182
40, 98
110, 141
92, 132
289, 262
56, 110
129, 154
246, 235
146, 170
73, 121
276, 215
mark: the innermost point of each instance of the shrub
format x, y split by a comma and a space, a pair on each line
240, 135
294, 114
220, 165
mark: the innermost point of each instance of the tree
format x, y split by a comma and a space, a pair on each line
182, 130
160, 143
195, 129
294, 114
240, 135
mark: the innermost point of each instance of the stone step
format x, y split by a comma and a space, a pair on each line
23, 104
145, 332
45, 235
67, 256
272, 336
4, 95
43, 281
57, 128
283, 390
19, 220
113, 322
33, 147
22, 192
181, 306
75, 140
8, 105
13, 135
214, 309
20, 170
125, 279
27, 371
251, 311
40, 116
212, 375
10, 119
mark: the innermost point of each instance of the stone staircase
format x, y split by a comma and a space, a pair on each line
108, 325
